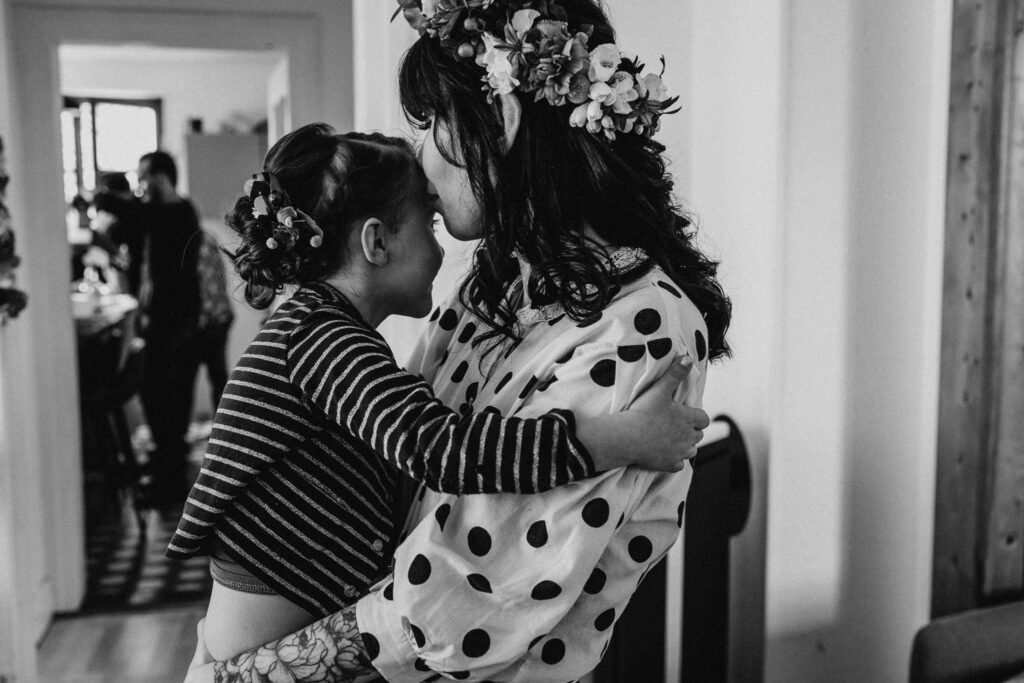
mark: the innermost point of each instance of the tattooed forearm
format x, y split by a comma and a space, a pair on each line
329, 650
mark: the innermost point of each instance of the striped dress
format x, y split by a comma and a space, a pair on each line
299, 480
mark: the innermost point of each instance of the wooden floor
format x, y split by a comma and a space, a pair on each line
149, 647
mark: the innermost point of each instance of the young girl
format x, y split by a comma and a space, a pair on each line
296, 500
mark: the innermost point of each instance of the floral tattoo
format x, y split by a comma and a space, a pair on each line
328, 651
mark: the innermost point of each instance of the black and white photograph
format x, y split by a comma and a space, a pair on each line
512, 341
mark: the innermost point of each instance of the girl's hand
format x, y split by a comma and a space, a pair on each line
656, 433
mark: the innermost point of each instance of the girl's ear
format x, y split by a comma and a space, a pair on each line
511, 116
373, 239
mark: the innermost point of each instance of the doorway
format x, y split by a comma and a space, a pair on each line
121, 102
50, 574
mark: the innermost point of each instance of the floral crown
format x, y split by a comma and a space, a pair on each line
527, 46
275, 214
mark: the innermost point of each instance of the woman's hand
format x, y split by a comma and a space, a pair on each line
656, 433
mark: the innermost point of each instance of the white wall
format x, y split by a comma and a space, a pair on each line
818, 146
232, 83
24, 581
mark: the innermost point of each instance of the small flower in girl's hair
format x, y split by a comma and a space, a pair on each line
287, 216
260, 207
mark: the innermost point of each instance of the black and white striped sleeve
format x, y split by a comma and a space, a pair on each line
349, 373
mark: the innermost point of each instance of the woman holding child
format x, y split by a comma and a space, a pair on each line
585, 290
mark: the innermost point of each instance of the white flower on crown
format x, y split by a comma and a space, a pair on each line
616, 95
501, 75
604, 60
653, 87
522, 21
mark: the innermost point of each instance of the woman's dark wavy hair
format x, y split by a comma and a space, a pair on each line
572, 180
337, 180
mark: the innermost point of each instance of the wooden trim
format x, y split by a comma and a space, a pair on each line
964, 359
979, 518
1003, 561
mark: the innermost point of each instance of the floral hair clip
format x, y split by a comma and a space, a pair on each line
274, 213
528, 46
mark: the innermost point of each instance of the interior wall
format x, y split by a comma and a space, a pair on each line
818, 146
24, 582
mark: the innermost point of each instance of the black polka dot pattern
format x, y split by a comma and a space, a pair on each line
595, 584
595, 512
503, 382
460, 372
546, 590
647, 321
476, 643
479, 541
421, 665
640, 549
631, 353
565, 357
467, 333
537, 535
682, 508
553, 651
702, 345
417, 635
448, 320
557, 319
372, 645
444, 358
389, 591
480, 583
435, 314
603, 372
459, 675
441, 515
528, 388
534, 642
659, 348
471, 391
622, 518
670, 289
419, 570
605, 619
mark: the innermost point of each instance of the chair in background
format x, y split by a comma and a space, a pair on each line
979, 646
717, 508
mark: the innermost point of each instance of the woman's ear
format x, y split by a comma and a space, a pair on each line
373, 239
511, 116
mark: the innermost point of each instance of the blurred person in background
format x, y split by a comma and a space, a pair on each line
162, 229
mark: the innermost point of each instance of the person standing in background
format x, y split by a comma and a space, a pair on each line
215, 315
169, 296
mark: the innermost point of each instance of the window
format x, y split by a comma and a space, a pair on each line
102, 135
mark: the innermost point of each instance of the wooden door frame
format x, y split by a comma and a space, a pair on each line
979, 516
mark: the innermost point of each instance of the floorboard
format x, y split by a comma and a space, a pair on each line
146, 647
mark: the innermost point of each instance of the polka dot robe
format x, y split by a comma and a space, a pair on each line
528, 588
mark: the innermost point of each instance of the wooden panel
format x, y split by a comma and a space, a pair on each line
1003, 550
965, 361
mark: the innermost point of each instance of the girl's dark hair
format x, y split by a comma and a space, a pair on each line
337, 180
553, 185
